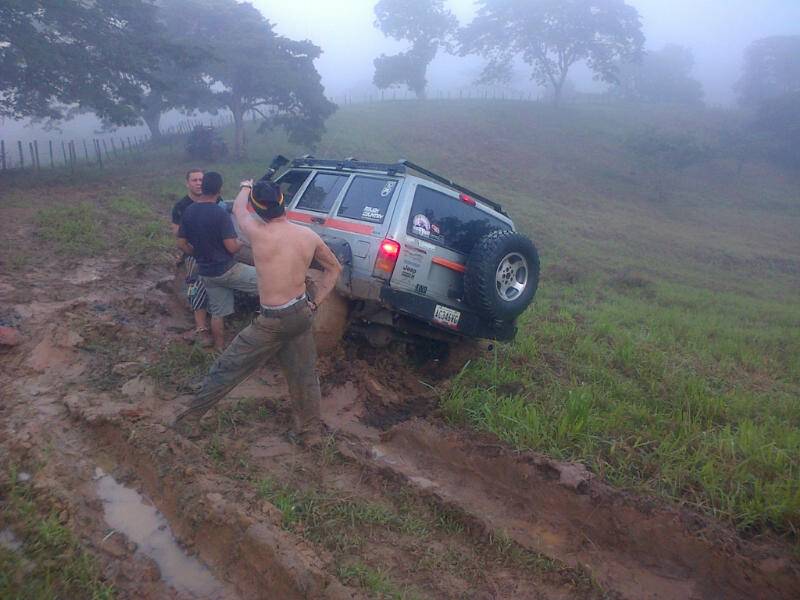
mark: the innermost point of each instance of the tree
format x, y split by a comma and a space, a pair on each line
771, 70
661, 76
552, 35
58, 56
426, 24
255, 70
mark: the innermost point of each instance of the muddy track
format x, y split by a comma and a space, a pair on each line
450, 514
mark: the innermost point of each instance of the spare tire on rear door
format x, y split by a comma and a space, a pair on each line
502, 275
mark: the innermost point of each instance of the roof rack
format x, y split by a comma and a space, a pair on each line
349, 165
400, 166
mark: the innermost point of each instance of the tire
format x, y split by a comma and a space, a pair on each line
502, 275
331, 318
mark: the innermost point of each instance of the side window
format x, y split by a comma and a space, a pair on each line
448, 222
290, 182
367, 199
322, 192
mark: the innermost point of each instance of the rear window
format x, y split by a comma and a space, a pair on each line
367, 199
290, 182
322, 192
448, 222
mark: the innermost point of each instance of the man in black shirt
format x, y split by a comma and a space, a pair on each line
195, 290
207, 233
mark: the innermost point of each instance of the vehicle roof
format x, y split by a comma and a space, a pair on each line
398, 169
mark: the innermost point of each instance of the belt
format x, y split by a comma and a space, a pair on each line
291, 306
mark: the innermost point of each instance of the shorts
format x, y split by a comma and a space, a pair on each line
220, 289
195, 289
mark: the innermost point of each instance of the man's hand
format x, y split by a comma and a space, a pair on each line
332, 268
184, 245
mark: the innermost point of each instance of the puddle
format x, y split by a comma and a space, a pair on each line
126, 512
9, 541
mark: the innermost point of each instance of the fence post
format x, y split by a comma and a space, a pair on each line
52, 162
72, 155
114, 147
33, 156
86, 151
21, 156
64, 152
99, 153
3, 154
36, 151
105, 147
130, 147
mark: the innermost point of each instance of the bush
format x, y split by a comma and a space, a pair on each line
206, 143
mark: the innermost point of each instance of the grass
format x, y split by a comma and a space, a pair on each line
71, 230
345, 524
50, 563
180, 365
697, 403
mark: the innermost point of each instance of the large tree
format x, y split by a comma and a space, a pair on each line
424, 23
553, 35
661, 76
253, 69
58, 56
771, 70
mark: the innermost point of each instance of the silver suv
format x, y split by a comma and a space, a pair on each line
423, 256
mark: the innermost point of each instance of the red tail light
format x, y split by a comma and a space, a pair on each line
387, 259
467, 199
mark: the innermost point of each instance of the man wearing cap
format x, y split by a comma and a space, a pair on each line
282, 253
207, 233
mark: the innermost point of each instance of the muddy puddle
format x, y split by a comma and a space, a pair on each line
127, 512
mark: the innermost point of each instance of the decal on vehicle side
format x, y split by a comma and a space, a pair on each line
421, 226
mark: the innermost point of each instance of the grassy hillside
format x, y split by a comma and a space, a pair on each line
664, 345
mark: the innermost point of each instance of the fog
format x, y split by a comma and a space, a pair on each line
717, 31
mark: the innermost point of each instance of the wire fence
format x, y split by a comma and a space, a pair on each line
99, 152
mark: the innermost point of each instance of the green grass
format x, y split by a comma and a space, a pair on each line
681, 393
180, 365
51, 563
71, 230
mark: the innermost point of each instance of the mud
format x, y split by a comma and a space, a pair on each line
126, 512
170, 518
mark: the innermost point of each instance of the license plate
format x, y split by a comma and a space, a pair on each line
446, 316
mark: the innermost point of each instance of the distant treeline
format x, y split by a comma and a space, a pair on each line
131, 62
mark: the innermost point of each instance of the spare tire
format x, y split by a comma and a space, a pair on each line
502, 275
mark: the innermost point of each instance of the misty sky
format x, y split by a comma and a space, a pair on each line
716, 30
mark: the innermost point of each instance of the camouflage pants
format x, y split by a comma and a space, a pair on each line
284, 333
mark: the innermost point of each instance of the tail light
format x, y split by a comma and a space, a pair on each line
387, 258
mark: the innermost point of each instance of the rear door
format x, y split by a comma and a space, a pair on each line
441, 229
363, 215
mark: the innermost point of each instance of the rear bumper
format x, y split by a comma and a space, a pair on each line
470, 324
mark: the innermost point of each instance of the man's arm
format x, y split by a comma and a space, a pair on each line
184, 245
328, 261
175, 228
232, 245
240, 205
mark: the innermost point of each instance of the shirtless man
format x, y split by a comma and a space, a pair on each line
282, 253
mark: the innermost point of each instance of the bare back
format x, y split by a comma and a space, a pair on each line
282, 254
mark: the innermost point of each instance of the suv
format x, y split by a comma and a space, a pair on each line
424, 258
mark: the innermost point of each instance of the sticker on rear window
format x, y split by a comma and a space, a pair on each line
371, 213
421, 226
388, 188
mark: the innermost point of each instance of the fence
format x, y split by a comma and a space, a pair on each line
96, 152
100, 151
